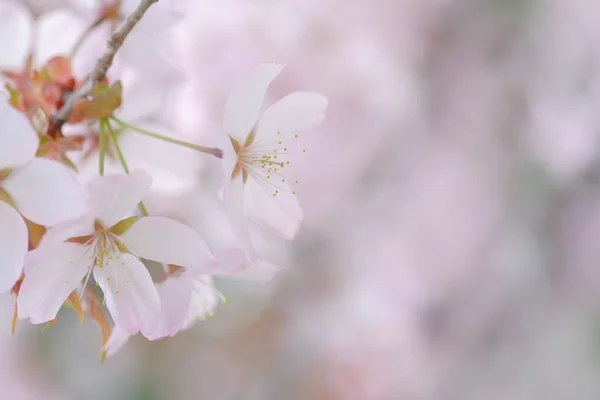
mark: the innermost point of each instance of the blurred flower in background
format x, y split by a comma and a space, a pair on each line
451, 205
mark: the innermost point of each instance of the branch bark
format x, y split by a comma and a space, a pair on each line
113, 44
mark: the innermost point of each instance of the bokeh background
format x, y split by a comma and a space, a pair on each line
451, 247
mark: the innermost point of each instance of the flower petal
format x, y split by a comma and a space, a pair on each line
243, 106
130, 294
16, 30
50, 280
113, 196
169, 242
233, 199
140, 100
117, 339
281, 214
209, 217
46, 192
205, 298
261, 271
175, 296
13, 246
294, 112
57, 32
18, 140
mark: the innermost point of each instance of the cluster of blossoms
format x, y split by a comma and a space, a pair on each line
69, 237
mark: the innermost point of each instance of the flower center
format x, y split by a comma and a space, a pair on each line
104, 247
264, 160
103, 244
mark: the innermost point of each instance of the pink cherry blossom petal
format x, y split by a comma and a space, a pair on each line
205, 298
46, 192
293, 113
280, 214
57, 32
209, 217
13, 246
243, 106
18, 140
117, 339
140, 100
169, 242
16, 31
233, 199
113, 196
130, 294
51, 280
261, 271
175, 296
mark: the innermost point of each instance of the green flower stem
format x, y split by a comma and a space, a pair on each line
208, 150
102, 149
115, 142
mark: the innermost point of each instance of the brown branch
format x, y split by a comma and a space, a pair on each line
114, 43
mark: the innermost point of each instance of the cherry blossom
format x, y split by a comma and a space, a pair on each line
105, 244
256, 184
41, 190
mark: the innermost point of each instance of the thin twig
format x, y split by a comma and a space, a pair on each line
114, 43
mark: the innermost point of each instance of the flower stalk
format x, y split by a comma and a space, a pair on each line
202, 149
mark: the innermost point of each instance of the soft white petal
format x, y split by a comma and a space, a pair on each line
117, 339
233, 199
57, 32
50, 280
46, 192
281, 214
18, 140
59, 233
205, 298
130, 294
85, 6
169, 242
56, 235
175, 296
13, 246
16, 31
261, 271
113, 196
243, 105
295, 112
209, 217
140, 100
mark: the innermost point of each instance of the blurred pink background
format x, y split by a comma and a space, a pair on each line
452, 202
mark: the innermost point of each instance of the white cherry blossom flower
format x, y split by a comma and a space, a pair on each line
105, 244
41, 190
255, 159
